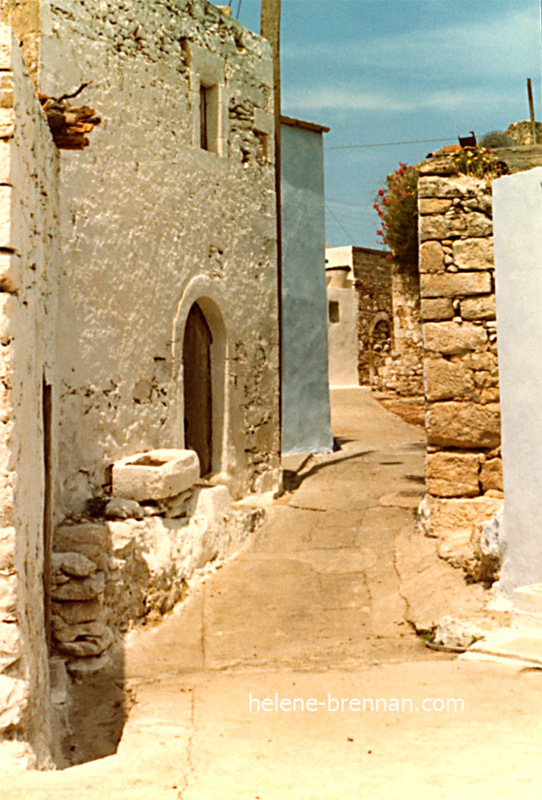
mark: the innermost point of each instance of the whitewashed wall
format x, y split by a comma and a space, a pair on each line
517, 214
151, 222
29, 265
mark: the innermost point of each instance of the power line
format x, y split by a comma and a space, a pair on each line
339, 223
385, 144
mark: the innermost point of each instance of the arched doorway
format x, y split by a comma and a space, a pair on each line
198, 387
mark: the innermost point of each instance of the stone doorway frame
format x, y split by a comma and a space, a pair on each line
203, 291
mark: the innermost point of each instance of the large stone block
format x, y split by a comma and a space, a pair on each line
453, 338
457, 186
447, 380
474, 254
155, 475
431, 257
479, 308
464, 425
473, 224
453, 474
438, 308
455, 284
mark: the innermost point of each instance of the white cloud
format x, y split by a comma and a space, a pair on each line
350, 99
500, 46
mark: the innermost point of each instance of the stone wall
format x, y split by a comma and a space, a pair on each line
154, 222
29, 271
461, 378
132, 562
372, 281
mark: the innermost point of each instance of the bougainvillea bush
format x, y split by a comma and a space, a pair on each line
397, 207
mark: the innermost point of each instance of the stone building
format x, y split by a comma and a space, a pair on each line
360, 317
139, 326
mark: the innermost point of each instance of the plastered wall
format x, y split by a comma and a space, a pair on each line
151, 223
518, 253
305, 388
29, 267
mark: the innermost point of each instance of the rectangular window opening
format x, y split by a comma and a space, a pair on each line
209, 118
334, 311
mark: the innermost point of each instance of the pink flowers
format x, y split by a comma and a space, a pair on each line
397, 208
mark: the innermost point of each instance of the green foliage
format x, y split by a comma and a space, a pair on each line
397, 207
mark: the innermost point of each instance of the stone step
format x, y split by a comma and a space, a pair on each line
527, 608
514, 646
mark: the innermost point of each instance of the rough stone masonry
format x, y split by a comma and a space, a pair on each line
461, 375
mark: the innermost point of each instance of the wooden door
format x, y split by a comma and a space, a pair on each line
198, 401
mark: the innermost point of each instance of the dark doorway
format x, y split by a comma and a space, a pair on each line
198, 400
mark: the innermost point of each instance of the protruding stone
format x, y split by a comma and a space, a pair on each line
85, 639
155, 475
457, 633
80, 588
122, 508
73, 564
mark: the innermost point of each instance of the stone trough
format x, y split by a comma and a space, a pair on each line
155, 475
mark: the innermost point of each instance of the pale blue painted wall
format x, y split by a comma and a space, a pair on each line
305, 387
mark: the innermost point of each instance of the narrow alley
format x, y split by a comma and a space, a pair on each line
316, 607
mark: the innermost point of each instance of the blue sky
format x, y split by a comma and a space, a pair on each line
378, 71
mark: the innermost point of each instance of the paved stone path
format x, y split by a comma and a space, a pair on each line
312, 610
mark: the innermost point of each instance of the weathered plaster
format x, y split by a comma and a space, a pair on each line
30, 263
305, 388
145, 211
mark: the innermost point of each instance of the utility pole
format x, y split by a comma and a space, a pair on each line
270, 30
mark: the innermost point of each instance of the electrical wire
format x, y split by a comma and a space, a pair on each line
339, 223
385, 144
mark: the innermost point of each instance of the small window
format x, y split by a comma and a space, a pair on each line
334, 311
208, 103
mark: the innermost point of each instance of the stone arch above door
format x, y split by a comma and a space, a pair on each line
206, 295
